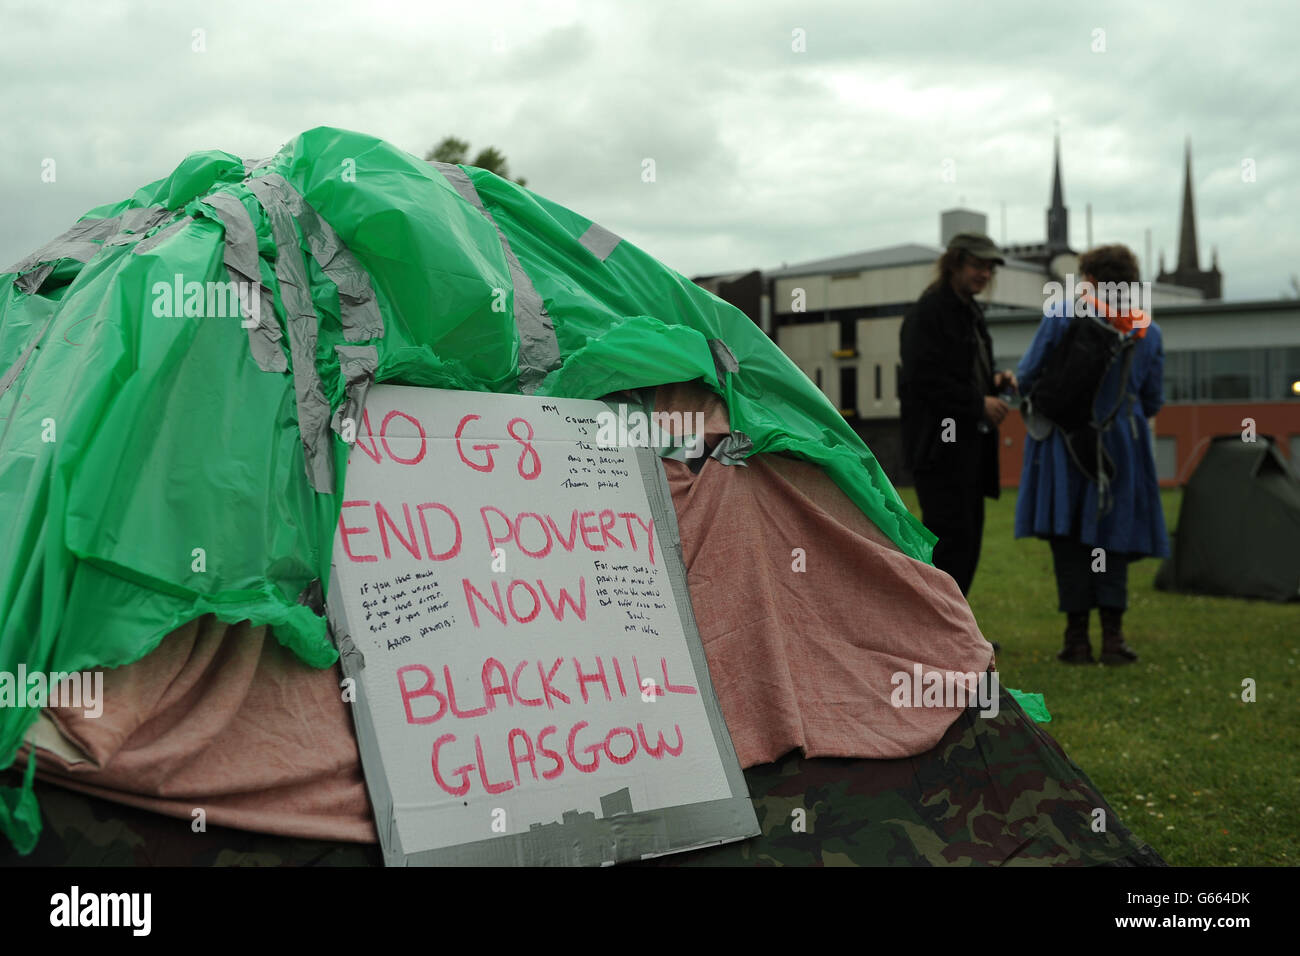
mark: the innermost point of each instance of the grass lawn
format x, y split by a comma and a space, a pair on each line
1204, 777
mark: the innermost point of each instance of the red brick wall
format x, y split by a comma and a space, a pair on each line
1189, 424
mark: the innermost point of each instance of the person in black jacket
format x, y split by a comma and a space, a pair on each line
949, 406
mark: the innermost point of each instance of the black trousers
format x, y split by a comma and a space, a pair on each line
953, 508
1081, 582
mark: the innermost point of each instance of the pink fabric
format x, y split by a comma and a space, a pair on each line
223, 718
805, 658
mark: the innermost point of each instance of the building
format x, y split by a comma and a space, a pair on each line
744, 290
612, 804
1188, 271
838, 320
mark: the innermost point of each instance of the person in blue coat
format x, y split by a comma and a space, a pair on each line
1096, 535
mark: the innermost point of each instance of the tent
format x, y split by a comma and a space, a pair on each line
178, 369
1239, 525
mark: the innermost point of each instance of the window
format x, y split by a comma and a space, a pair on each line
877, 382
1180, 377
849, 387
1231, 375
819, 376
848, 333
1284, 372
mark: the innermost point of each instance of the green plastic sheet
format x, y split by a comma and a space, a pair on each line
1032, 704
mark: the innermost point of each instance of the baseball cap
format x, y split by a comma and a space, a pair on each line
978, 245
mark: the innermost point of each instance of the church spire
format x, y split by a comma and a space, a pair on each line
1187, 259
1058, 229
1187, 271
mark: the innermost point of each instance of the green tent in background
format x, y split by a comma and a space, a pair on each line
169, 449
1239, 525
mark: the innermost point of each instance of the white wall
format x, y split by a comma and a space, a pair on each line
878, 345
810, 346
870, 287
1229, 330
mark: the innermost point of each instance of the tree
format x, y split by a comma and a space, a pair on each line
453, 150
450, 150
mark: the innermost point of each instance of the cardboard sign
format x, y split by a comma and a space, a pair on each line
510, 600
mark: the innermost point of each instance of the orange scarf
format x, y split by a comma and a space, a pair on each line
1124, 321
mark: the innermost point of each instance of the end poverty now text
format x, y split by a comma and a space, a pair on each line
533, 535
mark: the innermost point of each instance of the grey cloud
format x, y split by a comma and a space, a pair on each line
763, 154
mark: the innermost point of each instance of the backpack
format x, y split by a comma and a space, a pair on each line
1066, 391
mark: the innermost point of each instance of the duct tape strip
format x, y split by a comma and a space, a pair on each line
599, 241
301, 318
733, 449
244, 265
15, 370
358, 308
352, 662
241, 254
143, 218
358, 363
313, 596
162, 235
83, 250
136, 222
80, 243
32, 281
736, 813
724, 360
539, 350
252, 164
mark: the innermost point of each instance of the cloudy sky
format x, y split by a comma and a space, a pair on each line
780, 132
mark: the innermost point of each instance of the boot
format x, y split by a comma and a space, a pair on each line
1077, 650
1113, 648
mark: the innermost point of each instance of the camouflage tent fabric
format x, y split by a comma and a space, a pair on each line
995, 791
